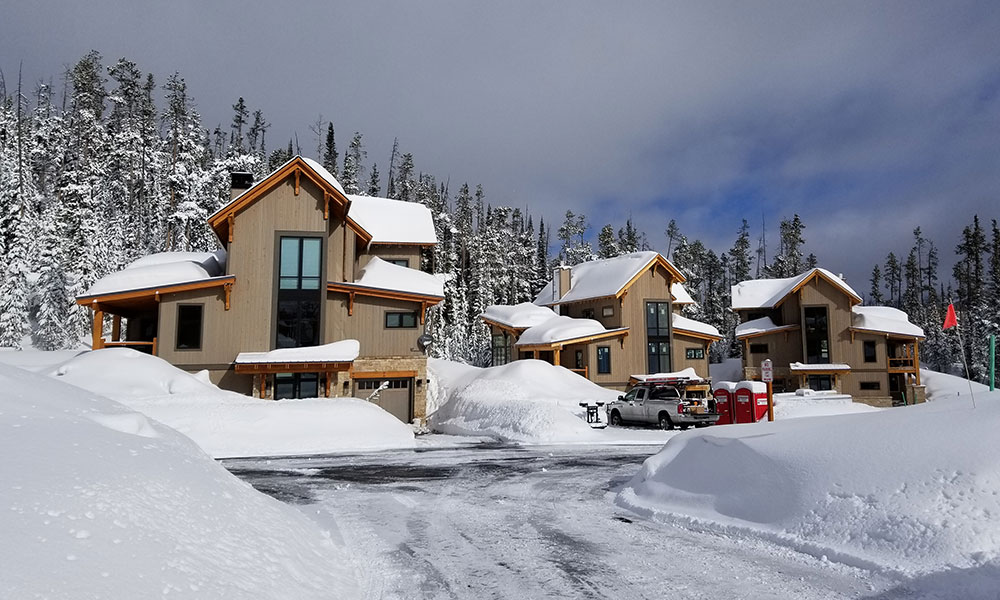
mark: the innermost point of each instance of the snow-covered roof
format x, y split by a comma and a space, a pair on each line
393, 221
681, 295
760, 326
342, 351
382, 275
518, 316
768, 293
600, 278
797, 366
563, 329
160, 270
322, 172
884, 319
688, 373
683, 324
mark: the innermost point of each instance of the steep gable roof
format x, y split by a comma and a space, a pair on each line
770, 293
606, 278
298, 167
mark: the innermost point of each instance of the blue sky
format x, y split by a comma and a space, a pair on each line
865, 118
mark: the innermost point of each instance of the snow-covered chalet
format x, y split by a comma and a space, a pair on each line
818, 336
607, 320
314, 293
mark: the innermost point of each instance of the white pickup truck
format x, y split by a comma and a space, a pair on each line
667, 402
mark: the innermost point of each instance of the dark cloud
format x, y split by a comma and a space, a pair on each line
867, 119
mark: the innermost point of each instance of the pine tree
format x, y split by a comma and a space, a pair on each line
351, 176
330, 151
607, 246
875, 295
893, 280
673, 234
739, 255
575, 249
373, 182
788, 262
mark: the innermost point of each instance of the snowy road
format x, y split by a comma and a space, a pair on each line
509, 522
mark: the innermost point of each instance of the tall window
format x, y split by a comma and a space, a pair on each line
189, 326
658, 336
870, 352
300, 293
501, 350
817, 336
603, 359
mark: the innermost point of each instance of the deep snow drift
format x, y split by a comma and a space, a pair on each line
527, 401
226, 424
97, 501
913, 490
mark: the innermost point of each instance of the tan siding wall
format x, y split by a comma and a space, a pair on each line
819, 292
679, 344
653, 285
367, 325
576, 310
385, 252
217, 348
250, 323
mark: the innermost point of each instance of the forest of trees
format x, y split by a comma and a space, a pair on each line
113, 166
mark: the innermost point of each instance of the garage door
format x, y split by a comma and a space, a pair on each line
395, 399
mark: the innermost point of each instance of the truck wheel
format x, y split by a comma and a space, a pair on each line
665, 422
616, 419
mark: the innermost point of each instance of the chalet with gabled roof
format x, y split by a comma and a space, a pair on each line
818, 336
314, 293
607, 320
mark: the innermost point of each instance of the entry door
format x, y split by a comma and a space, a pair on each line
396, 399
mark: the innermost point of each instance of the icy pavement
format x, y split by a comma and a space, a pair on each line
530, 522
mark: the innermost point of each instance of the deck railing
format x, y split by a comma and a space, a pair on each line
582, 371
147, 347
901, 363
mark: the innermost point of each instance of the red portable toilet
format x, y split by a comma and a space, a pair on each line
751, 401
723, 392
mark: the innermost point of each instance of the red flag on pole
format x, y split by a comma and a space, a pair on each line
950, 319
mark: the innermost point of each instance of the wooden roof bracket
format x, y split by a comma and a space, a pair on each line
228, 287
350, 304
232, 225
326, 206
297, 173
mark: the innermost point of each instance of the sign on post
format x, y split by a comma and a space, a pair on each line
767, 371
767, 375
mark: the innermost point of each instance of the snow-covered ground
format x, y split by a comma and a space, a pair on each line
912, 491
533, 402
226, 424
97, 501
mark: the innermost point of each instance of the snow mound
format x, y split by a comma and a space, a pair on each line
98, 502
226, 424
527, 401
123, 373
911, 490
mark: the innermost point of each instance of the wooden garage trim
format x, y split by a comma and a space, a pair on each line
383, 374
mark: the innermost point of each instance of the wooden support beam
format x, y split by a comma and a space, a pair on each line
556, 354
228, 287
116, 328
154, 347
97, 329
263, 387
329, 384
916, 359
